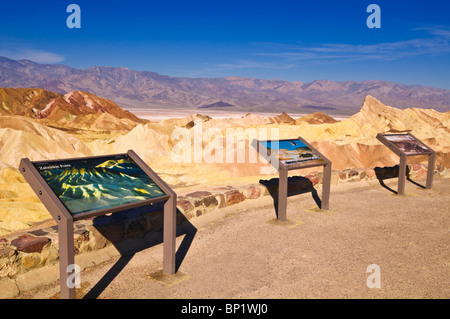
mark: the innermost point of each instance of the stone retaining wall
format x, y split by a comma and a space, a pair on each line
30, 250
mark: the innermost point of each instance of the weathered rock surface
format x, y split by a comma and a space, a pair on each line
30, 244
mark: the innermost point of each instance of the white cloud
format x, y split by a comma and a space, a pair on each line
437, 43
246, 64
33, 55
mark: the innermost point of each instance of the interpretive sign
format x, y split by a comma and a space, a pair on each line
80, 188
97, 184
405, 145
292, 154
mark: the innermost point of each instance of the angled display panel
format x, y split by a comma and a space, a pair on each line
293, 152
81, 188
407, 144
98, 183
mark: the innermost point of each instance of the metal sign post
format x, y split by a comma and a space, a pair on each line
297, 154
405, 145
170, 213
65, 213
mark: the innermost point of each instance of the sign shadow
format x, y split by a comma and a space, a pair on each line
296, 185
388, 172
133, 231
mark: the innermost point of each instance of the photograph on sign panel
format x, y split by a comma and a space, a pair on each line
292, 152
407, 144
87, 185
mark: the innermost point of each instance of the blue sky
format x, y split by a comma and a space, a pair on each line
288, 40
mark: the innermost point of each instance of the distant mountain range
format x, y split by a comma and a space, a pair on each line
130, 88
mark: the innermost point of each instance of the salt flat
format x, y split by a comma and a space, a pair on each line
156, 114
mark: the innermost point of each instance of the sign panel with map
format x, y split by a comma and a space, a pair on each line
289, 155
407, 144
95, 183
80, 188
293, 152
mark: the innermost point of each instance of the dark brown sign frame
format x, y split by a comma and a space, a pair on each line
65, 219
284, 169
385, 139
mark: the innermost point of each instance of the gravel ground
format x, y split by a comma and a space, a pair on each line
242, 252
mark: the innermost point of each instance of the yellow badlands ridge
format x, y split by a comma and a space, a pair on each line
348, 143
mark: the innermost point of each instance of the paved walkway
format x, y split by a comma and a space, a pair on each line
243, 252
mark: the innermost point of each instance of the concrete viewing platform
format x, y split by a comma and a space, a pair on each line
230, 245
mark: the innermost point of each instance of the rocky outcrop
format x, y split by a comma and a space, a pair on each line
349, 144
30, 244
316, 118
75, 109
23, 137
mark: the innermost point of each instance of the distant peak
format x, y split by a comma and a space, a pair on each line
317, 118
232, 78
374, 107
370, 98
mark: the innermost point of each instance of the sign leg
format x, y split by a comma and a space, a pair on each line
402, 175
170, 211
282, 194
430, 172
326, 182
66, 258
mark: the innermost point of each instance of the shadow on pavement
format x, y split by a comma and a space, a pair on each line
132, 225
296, 185
389, 172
